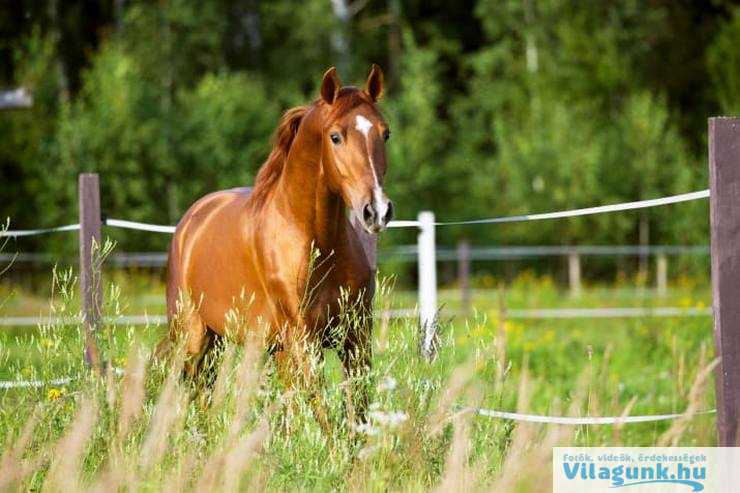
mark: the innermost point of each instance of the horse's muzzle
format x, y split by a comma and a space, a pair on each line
377, 213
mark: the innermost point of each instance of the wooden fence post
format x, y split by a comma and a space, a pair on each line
574, 274
427, 282
91, 290
724, 184
661, 274
463, 274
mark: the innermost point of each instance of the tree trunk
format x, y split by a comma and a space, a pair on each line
340, 36
394, 43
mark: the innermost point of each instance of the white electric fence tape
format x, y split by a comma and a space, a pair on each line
530, 418
57, 382
625, 206
33, 232
585, 420
15, 384
154, 228
60, 321
640, 204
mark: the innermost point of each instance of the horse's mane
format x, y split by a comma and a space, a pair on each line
270, 171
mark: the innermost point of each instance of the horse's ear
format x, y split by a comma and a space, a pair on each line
374, 83
330, 85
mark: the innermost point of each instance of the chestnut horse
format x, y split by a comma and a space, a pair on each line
252, 252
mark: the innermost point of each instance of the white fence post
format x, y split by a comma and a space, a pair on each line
427, 282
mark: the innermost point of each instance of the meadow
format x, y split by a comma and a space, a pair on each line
147, 429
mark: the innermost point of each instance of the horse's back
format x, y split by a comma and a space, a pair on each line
204, 239
214, 199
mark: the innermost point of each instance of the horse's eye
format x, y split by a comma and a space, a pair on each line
386, 134
335, 138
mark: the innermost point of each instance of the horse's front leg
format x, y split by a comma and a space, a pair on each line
300, 366
356, 354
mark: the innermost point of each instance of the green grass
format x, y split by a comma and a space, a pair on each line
578, 367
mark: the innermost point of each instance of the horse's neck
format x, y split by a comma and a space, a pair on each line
305, 196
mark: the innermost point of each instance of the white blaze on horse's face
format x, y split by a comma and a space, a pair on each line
363, 125
375, 215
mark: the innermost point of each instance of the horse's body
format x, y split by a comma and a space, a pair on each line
232, 254
240, 261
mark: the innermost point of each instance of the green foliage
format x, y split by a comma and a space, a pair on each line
226, 125
158, 146
724, 65
522, 107
543, 127
418, 178
297, 35
29, 146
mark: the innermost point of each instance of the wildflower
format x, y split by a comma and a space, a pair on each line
387, 384
54, 394
367, 429
366, 452
390, 419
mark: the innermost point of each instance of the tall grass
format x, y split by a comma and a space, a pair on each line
149, 429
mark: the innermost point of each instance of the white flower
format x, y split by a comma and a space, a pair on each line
374, 406
390, 419
387, 384
367, 429
366, 452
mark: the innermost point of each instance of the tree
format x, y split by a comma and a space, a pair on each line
724, 65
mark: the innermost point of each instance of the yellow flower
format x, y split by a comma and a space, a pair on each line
54, 394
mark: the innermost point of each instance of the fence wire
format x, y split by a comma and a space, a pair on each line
640, 204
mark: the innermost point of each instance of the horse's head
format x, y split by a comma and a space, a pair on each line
353, 147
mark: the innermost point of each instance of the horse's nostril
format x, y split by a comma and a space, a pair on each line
368, 214
388, 213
